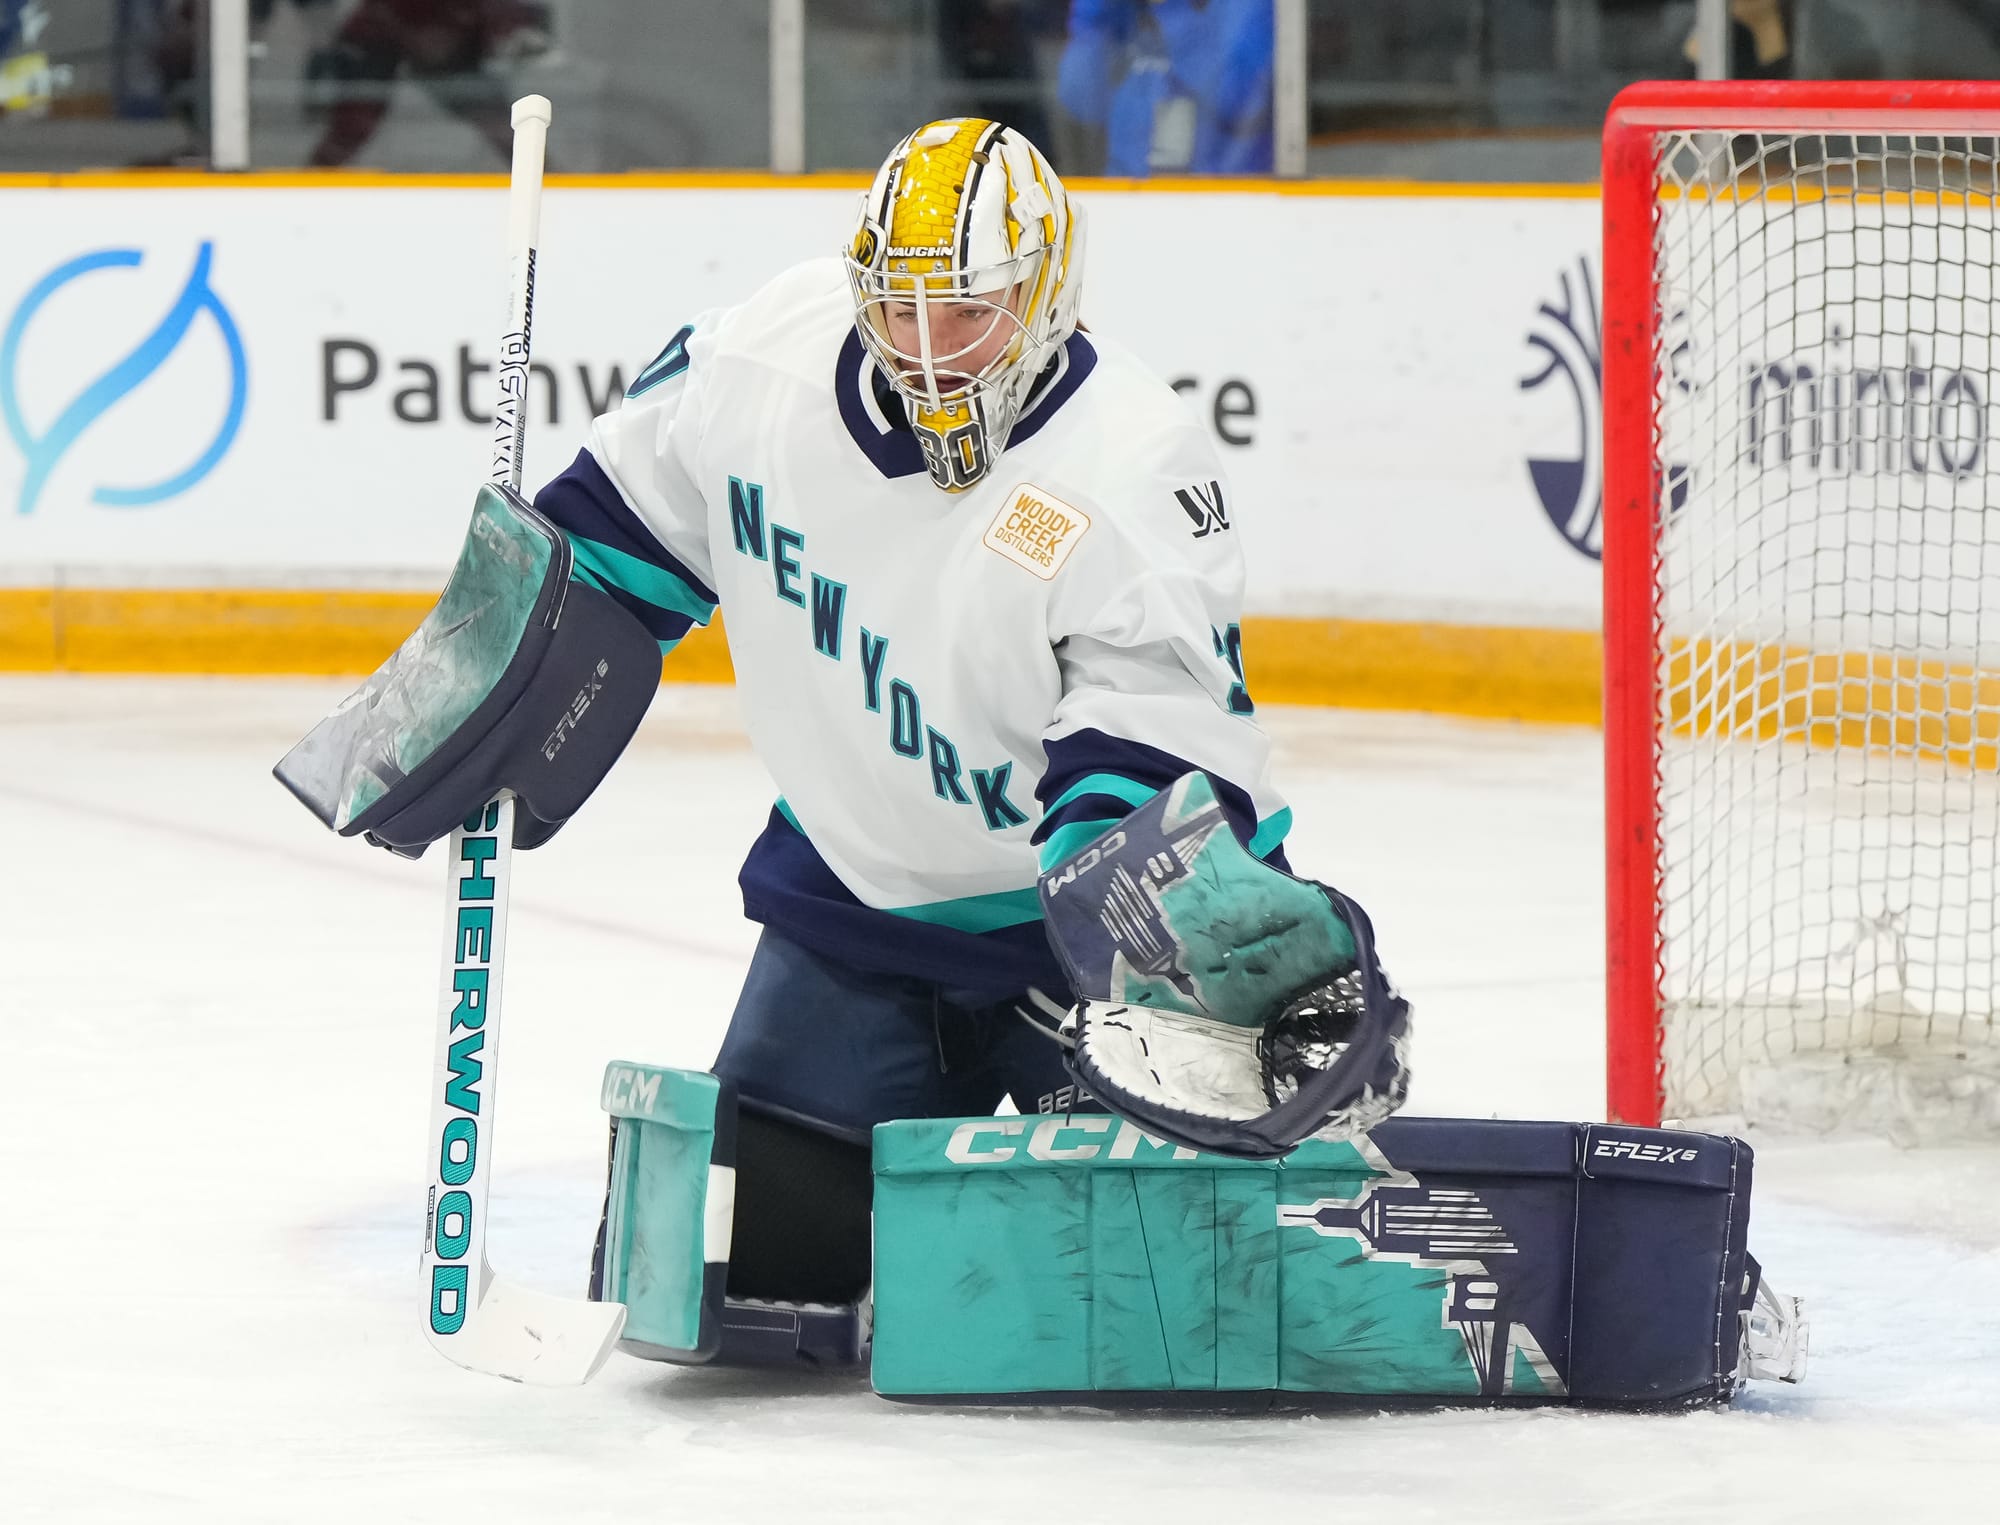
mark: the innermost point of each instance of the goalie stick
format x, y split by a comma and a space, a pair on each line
472, 1316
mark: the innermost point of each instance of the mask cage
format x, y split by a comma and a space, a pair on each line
1013, 293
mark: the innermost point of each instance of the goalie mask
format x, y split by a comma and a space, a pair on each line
966, 271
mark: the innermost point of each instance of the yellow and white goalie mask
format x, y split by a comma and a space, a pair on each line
966, 269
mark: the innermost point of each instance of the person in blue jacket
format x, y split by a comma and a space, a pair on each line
1179, 86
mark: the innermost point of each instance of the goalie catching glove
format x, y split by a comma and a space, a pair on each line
1221, 1003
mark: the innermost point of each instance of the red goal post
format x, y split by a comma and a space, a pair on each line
1707, 192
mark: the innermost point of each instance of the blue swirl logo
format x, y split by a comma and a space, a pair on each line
45, 451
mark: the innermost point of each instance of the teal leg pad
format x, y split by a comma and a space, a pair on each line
669, 1209
1046, 1258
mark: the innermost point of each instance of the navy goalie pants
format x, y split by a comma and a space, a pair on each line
840, 1049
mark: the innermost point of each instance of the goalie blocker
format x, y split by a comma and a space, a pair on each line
1077, 1257
520, 679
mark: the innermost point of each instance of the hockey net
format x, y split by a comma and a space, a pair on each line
1802, 605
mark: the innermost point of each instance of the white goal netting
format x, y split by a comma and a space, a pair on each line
1828, 629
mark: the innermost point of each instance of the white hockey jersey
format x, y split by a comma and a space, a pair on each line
938, 683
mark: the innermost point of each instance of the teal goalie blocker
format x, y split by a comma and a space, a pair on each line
1077, 1257
520, 678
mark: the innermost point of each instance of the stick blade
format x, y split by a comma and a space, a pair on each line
533, 1337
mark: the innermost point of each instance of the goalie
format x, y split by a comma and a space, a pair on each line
982, 595
982, 602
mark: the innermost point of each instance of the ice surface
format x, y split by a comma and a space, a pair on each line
214, 1053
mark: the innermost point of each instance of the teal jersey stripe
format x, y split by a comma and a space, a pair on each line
1114, 784
1271, 832
1013, 908
974, 913
656, 585
978, 913
583, 574
1068, 840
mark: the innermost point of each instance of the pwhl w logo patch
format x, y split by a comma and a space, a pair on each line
1204, 508
75, 419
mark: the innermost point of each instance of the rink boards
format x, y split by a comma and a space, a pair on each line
240, 416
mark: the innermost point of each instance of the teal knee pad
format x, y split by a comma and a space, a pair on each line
669, 1209
669, 1217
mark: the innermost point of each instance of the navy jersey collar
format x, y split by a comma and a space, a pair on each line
873, 412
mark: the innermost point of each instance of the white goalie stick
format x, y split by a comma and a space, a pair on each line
472, 1316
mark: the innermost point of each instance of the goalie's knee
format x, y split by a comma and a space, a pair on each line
737, 1239
669, 1209
802, 1213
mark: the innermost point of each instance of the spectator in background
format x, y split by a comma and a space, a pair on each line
450, 47
172, 35
23, 75
1760, 40
1178, 86
991, 43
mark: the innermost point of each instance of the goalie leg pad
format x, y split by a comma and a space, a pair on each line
518, 679
1434, 1259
